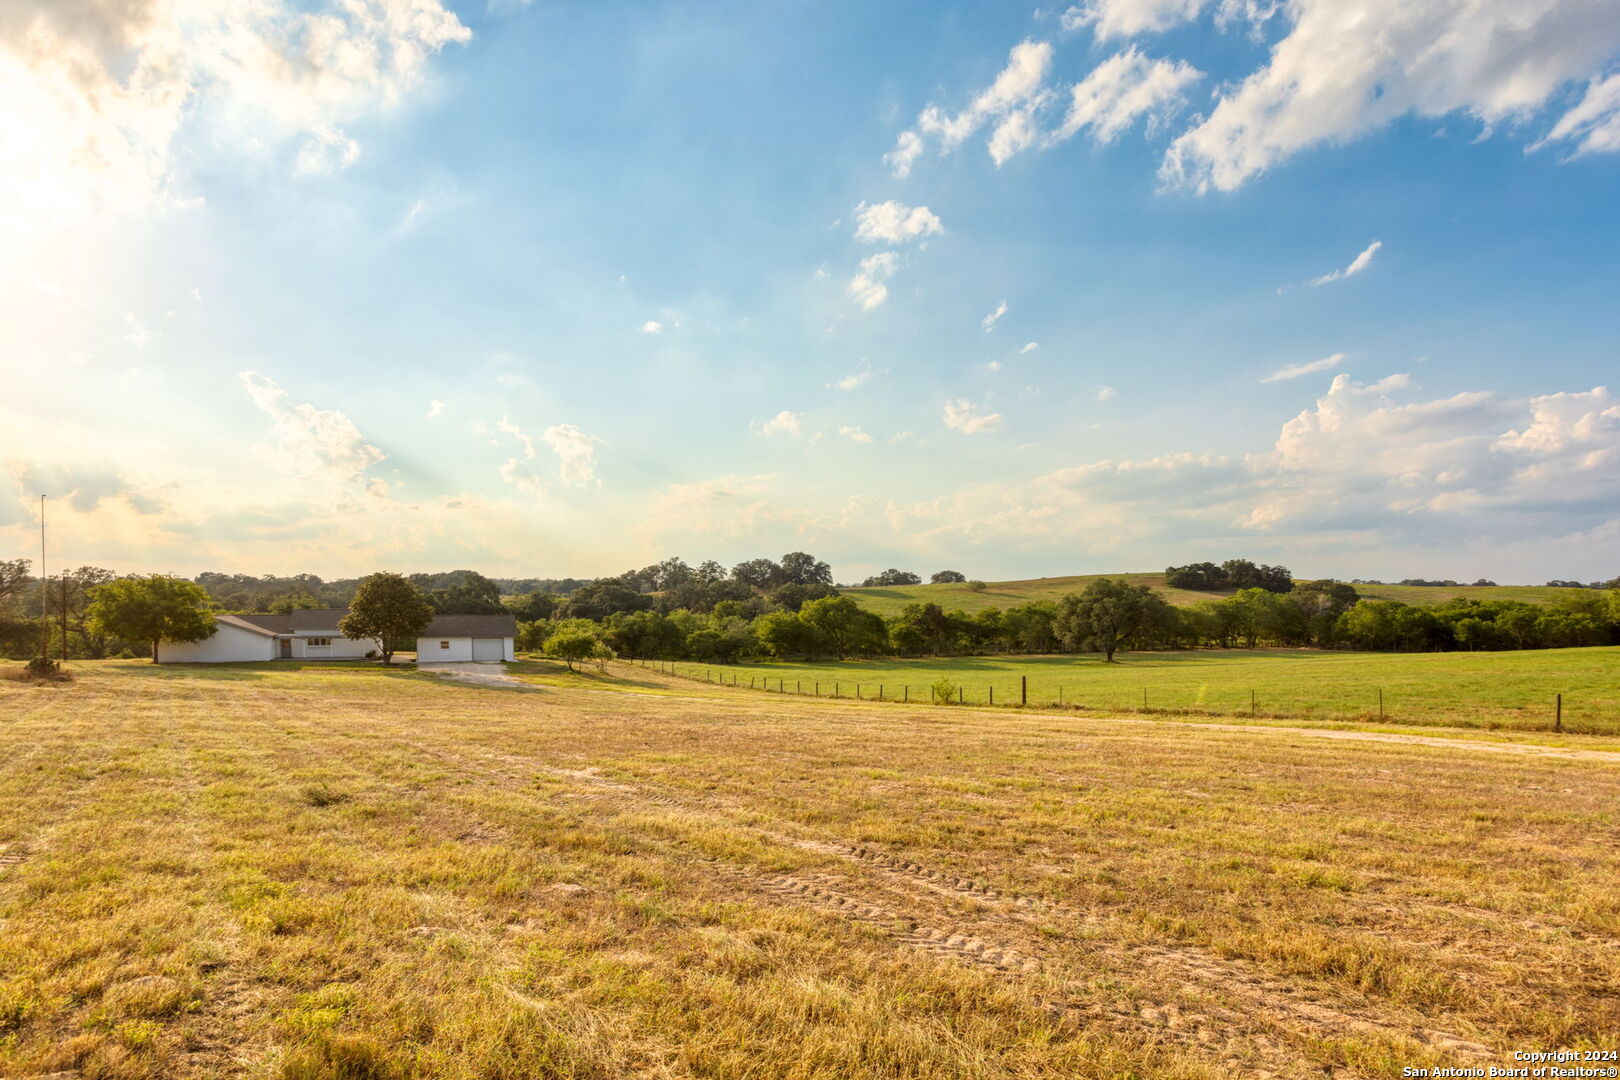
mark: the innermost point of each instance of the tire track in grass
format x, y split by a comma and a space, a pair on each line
977, 938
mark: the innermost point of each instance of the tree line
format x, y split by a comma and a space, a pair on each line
1108, 616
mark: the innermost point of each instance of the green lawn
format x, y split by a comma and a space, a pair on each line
1004, 594
1484, 689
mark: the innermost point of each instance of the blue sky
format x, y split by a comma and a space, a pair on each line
548, 289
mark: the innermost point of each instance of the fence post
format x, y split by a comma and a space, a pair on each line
959, 695
1558, 721
1380, 703
992, 695
1023, 689
908, 693
835, 688
857, 691
1144, 699
1251, 701
880, 691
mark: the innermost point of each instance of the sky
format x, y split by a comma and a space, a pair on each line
558, 289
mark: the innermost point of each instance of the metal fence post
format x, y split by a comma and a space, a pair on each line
1023, 689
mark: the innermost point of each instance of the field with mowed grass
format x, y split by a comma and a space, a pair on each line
330, 872
1502, 690
889, 600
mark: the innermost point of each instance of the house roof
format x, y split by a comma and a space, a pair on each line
325, 621
449, 626
309, 620
242, 623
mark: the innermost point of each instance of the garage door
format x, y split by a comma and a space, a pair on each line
489, 648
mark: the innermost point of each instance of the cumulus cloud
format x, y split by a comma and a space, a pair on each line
968, 418
651, 326
1007, 103
576, 454
854, 434
784, 422
1294, 371
1122, 90
990, 320
867, 286
96, 96
1127, 18
1346, 68
435, 409
521, 471
894, 222
1029, 348
311, 441
1107, 393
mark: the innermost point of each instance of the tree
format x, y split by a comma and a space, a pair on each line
758, 574
841, 624
389, 609
802, 568
1109, 613
460, 592
947, 577
156, 608
571, 644
892, 577
14, 576
793, 596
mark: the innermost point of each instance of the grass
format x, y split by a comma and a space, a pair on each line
888, 601
346, 873
1505, 690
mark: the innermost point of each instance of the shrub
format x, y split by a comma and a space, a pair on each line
944, 691
976, 585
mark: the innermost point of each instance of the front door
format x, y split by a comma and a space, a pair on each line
286, 648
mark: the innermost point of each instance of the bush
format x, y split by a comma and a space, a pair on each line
976, 585
944, 692
127, 654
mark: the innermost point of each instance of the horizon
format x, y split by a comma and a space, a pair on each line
508, 284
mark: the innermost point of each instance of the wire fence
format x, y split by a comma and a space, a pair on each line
1019, 696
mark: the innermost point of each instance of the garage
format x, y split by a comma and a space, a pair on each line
457, 639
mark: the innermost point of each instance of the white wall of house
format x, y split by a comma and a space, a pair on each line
458, 650
339, 648
230, 644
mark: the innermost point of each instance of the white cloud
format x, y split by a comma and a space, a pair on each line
1008, 102
435, 409
1127, 18
1357, 265
993, 366
1595, 119
894, 222
785, 422
651, 326
1120, 91
1107, 393
1349, 67
309, 441
576, 454
1294, 371
854, 434
966, 417
854, 380
867, 286
95, 97
138, 335
521, 471
1029, 348
990, 320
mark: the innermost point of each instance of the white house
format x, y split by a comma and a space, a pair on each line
313, 635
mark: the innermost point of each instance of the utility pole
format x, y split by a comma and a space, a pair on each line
44, 590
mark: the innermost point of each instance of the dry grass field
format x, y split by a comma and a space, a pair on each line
329, 873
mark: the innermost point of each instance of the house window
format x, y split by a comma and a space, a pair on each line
320, 641
444, 644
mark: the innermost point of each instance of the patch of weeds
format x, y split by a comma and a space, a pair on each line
323, 794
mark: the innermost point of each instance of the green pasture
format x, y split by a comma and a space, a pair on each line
1512, 690
887, 601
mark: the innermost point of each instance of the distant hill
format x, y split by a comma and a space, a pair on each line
888, 600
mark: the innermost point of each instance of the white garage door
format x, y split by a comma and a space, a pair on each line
489, 648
